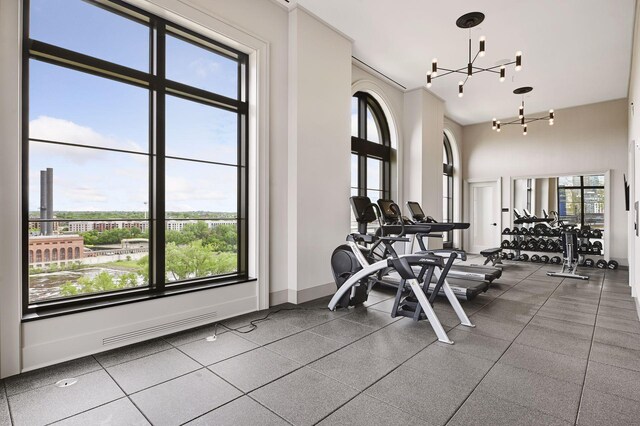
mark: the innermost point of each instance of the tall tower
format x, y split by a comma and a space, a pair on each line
46, 201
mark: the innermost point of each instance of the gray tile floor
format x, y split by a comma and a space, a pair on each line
545, 351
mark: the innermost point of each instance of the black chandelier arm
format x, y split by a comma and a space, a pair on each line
449, 71
478, 70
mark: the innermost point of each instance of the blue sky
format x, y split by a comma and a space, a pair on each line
75, 107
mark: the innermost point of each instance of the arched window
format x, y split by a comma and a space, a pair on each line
54, 254
47, 255
38, 256
77, 253
447, 190
69, 253
370, 148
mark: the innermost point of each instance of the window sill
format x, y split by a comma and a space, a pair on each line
52, 309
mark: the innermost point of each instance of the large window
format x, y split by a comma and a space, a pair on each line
581, 200
370, 149
135, 157
447, 190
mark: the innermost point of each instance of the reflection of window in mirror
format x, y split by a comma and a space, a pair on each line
581, 200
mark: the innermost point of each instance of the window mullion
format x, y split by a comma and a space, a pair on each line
157, 252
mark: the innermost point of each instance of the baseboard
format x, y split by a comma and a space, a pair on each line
278, 297
316, 292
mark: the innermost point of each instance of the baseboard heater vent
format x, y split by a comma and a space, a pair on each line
157, 328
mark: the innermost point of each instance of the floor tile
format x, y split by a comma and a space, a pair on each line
554, 341
269, 331
131, 352
616, 356
388, 343
626, 325
254, 369
551, 364
354, 367
613, 380
523, 296
564, 315
370, 317
418, 330
623, 339
225, 346
304, 347
619, 304
476, 344
571, 306
554, 397
54, 403
482, 409
49, 375
609, 312
5, 417
119, 412
199, 333
304, 397
366, 411
509, 310
578, 330
184, 398
599, 408
500, 329
242, 411
460, 368
407, 389
343, 331
141, 373
309, 317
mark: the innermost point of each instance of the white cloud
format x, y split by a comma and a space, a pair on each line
203, 67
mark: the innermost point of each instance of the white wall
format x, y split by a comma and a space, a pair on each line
584, 139
634, 157
319, 152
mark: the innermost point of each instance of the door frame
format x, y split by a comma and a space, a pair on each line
467, 203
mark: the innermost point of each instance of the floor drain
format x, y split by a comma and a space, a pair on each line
66, 382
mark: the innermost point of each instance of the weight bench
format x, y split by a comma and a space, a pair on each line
492, 255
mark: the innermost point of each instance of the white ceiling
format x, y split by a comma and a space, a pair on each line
574, 52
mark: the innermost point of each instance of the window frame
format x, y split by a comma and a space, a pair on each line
447, 174
158, 86
364, 148
580, 187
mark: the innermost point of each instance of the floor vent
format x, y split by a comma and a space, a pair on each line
136, 334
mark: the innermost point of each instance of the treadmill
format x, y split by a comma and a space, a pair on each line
464, 288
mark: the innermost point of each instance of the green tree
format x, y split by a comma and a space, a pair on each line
100, 283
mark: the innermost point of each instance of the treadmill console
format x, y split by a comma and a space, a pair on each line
388, 213
416, 211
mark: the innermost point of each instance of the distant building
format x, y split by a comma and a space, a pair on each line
55, 248
106, 226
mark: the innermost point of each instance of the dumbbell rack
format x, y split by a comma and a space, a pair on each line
520, 237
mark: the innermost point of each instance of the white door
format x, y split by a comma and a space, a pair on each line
484, 214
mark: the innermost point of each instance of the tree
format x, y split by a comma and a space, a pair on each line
100, 283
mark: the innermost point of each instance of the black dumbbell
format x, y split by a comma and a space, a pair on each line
515, 231
532, 244
597, 233
505, 244
506, 231
522, 245
542, 245
524, 257
503, 256
535, 258
597, 244
612, 265
514, 244
544, 258
601, 264
556, 260
588, 263
510, 256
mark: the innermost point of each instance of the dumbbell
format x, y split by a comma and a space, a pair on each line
505, 244
597, 244
542, 245
544, 258
596, 233
515, 231
612, 265
532, 244
510, 256
555, 260
506, 231
522, 245
503, 256
514, 244
535, 258
523, 257
588, 263
601, 264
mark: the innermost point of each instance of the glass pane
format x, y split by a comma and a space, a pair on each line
570, 205
374, 195
373, 132
85, 28
374, 174
594, 181
594, 208
569, 181
199, 248
354, 171
198, 131
354, 116
197, 190
73, 258
89, 183
196, 66
84, 109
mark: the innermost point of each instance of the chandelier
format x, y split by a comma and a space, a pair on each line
522, 119
470, 20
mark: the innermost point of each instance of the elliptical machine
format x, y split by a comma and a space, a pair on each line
355, 275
